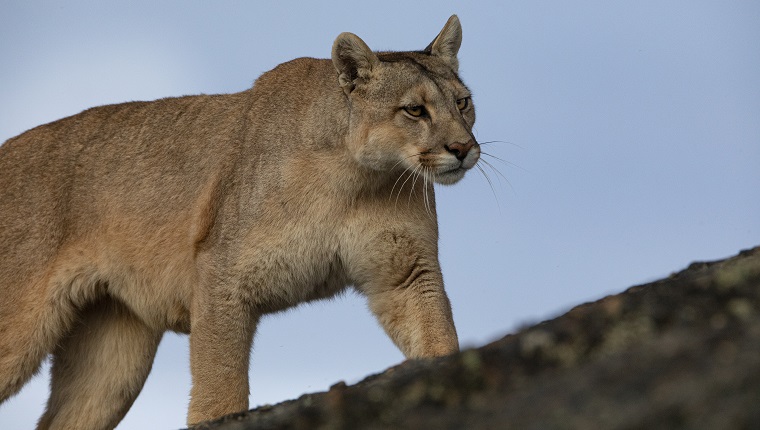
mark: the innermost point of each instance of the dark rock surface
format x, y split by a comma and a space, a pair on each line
682, 352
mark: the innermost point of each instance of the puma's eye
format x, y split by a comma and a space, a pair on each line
415, 111
463, 103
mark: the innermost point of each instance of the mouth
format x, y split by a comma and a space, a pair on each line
446, 169
459, 166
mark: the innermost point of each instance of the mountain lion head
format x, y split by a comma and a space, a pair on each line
409, 111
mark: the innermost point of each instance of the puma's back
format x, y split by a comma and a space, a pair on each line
201, 214
61, 180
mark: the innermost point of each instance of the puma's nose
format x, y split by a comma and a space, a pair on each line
460, 150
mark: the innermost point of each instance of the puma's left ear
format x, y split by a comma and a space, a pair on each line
353, 60
447, 43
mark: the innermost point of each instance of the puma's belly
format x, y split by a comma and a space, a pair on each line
154, 279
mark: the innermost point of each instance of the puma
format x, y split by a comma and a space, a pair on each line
201, 214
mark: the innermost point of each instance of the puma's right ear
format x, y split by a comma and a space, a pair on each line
353, 60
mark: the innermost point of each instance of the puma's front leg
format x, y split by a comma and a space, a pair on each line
417, 317
221, 333
404, 287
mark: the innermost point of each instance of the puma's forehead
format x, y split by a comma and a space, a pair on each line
423, 63
426, 75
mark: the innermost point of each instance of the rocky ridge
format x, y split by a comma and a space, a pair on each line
681, 352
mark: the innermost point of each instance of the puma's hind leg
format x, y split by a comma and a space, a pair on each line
30, 327
99, 368
21, 354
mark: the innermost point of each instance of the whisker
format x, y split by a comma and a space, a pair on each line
495, 170
403, 159
414, 168
412, 174
414, 181
509, 163
424, 193
427, 196
490, 184
429, 180
500, 141
395, 183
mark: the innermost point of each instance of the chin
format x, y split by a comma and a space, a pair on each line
451, 177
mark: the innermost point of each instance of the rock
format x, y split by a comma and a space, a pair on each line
681, 352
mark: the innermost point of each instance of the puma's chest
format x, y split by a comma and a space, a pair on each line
292, 265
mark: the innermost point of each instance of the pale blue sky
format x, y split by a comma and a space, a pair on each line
631, 134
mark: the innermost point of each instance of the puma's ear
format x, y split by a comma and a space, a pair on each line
353, 60
447, 43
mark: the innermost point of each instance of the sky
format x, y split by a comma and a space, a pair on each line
626, 136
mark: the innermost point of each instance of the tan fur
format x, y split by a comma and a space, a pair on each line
201, 214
